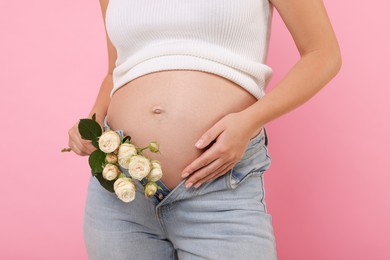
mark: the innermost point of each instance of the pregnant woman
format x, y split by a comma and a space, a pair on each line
193, 72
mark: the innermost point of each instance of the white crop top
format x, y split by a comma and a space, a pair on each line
228, 38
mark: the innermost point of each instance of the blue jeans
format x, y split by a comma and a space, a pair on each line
226, 218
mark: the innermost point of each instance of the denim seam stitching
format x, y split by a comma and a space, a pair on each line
160, 218
263, 193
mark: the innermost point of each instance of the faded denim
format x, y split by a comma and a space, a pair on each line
226, 218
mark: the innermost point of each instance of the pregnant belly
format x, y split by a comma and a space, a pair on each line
174, 108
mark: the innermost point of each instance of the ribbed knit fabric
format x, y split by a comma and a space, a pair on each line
225, 37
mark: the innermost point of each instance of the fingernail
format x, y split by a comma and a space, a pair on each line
185, 174
199, 143
197, 185
188, 185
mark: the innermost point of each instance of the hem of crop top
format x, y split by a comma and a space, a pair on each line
254, 86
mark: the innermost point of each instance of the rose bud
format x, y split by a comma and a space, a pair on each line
111, 158
125, 189
156, 164
150, 189
154, 147
109, 141
155, 174
139, 167
110, 172
125, 152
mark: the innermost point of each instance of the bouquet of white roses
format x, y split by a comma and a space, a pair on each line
115, 152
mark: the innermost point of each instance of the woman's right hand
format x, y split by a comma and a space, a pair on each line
79, 145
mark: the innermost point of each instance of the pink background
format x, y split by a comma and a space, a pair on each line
328, 185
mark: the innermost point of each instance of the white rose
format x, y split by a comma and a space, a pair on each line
150, 189
139, 167
125, 189
155, 174
125, 152
109, 141
110, 172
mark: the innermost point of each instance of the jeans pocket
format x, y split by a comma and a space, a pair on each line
249, 166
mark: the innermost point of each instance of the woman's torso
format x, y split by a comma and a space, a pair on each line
174, 108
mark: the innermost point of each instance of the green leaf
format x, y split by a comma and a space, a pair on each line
108, 185
93, 174
89, 129
95, 143
96, 160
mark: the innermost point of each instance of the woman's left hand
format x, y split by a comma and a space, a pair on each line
233, 133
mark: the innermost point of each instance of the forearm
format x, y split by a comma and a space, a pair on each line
103, 99
312, 72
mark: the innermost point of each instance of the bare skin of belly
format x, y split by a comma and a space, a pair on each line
174, 108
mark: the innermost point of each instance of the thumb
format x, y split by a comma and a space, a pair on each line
209, 136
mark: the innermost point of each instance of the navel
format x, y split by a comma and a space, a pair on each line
157, 110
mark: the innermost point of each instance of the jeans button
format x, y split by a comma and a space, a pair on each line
160, 196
